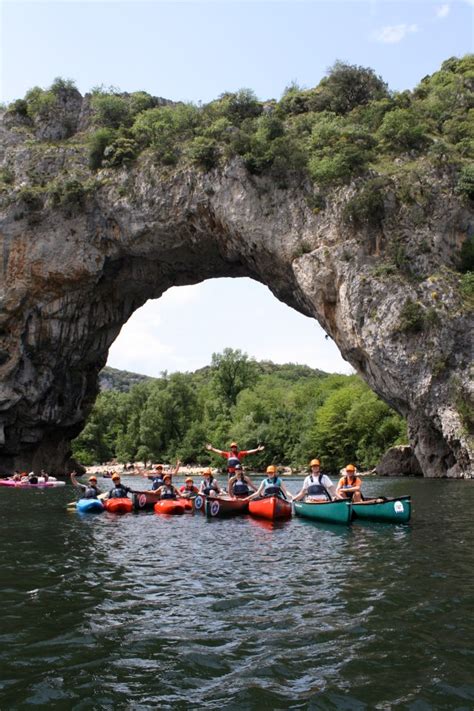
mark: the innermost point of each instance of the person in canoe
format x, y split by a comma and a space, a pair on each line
119, 490
272, 486
316, 486
240, 485
158, 478
349, 485
168, 490
234, 455
89, 490
188, 490
209, 485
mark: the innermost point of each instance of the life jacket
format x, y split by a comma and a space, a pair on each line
90, 492
240, 487
119, 492
272, 487
156, 483
232, 461
208, 486
168, 492
316, 488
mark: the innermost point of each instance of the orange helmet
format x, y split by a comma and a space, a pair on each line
233, 444
271, 469
207, 471
189, 478
115, 476
350, 468
92, 478
314, 463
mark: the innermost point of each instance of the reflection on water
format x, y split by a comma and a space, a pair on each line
144, 611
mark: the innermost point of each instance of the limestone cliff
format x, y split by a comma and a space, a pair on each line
82, 250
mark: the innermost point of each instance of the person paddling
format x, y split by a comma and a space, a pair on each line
316, 486
240, 484
272, 486
89, 490
209, 485
234, 455
167, 490
349, 485
119, 490
188, 490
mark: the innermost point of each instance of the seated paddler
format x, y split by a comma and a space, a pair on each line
168, 490
316, 486
240, 485
349, 486
119, 490
89, 490
273, 485
209, 485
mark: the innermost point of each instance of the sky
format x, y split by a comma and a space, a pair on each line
194, 51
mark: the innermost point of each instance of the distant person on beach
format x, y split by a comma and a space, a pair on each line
234, 455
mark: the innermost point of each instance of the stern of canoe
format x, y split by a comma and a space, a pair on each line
388, 511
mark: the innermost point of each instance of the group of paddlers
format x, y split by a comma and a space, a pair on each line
316, 486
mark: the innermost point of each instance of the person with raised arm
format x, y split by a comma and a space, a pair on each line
88, 491
234, 455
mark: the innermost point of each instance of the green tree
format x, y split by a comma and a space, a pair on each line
233, 371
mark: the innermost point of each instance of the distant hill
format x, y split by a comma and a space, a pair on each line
120, 380
123, 380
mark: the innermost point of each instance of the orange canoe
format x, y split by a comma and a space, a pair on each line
169, 506
118, 505
270, 507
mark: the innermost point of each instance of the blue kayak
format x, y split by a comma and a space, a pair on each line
89, 506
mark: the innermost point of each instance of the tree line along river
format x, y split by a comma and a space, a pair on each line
143, 611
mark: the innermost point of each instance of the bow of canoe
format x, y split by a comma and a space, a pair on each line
328, 511
270, 507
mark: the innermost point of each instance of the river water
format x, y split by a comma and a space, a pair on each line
144, 611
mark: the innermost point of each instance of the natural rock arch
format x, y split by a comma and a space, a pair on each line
73, 275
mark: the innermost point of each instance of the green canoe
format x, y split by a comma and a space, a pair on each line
389, 510
328, 511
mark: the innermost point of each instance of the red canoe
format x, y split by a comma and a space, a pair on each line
270, 507
169, 506
118, 505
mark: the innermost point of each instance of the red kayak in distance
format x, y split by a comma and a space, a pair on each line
270, 507
118, 506
169, 506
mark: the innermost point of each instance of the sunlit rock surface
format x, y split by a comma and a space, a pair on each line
75, 269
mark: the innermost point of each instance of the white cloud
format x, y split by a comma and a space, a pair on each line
442, 11
181, 295
391, 34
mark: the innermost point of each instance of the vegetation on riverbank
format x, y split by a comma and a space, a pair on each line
297, 412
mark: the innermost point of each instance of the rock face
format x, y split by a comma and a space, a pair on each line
399, 461
78, 261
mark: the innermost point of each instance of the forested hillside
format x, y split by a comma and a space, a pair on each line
295, 411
